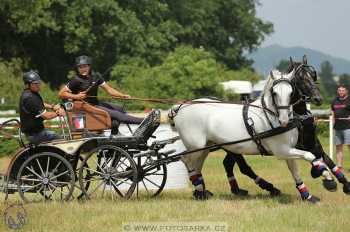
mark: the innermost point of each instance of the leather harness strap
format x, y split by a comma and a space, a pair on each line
249, 125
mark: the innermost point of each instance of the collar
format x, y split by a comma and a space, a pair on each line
342, 99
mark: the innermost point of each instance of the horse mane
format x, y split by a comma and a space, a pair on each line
270, 80
292, 66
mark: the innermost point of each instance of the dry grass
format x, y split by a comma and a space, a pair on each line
257, 212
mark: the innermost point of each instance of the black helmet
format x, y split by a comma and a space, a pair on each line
31, 77
81, 60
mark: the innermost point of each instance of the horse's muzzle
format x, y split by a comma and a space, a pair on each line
317, 100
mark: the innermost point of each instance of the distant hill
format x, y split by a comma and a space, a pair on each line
266, 58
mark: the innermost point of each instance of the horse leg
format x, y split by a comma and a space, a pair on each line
248, 171
194, 163
229, 163
318, 164
304, 192
329, 185
199, 167
311, 143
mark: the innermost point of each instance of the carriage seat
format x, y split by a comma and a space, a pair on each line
83, 116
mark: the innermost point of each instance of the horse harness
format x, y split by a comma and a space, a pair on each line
249, 123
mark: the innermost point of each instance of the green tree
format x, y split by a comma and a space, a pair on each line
283, 66
326, 75
186, 73
52, 32
344, 79
11, 85
225, 28
48, 34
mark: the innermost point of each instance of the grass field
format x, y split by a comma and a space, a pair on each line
256, 212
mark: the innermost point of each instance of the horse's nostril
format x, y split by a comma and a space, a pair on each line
318, 100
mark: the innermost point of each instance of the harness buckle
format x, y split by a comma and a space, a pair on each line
250, 122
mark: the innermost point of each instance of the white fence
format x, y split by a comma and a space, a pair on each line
329, 121
331, 137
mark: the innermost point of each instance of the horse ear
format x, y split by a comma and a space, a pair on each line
291, 60
291, 74
272, 76
304, 59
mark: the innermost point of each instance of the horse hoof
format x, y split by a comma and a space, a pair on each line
315, 173
208, 193
330, 185
313, 199
275, 192
202, 195
346, 188
240, 192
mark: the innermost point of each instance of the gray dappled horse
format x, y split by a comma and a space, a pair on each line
202, 124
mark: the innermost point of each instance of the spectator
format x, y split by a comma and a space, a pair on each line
341, 113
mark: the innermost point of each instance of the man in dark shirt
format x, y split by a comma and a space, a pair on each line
85, 87
33, 111
341, 113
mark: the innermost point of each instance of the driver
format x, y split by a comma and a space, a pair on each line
33, 111
85, 87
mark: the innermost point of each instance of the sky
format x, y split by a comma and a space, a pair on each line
323, 25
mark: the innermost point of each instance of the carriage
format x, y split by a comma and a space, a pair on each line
89, 161
116, 165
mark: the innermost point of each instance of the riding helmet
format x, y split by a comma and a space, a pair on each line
81, 60
31, 77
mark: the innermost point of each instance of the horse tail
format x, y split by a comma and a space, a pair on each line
171, 115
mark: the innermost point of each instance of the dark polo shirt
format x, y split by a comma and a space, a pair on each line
341, 109
91, 82
31, 107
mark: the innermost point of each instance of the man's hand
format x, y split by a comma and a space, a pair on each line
60, 112
56, 107
80, 96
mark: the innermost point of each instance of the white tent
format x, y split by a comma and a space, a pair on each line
258, 87
239, 87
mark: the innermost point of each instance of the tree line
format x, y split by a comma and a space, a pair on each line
140, 45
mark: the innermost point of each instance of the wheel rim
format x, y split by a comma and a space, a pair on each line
78, 193
151, 181
45, 176
111, 173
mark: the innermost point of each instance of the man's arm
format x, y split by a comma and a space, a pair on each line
38, 109
113, 92
66, 93
46, 115
56, 108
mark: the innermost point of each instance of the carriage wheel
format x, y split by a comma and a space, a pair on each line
45, 176
79, 194
111, 172
151, 180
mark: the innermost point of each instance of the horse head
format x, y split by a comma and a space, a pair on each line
305, 82
278, 90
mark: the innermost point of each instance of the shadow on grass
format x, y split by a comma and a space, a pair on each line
282, 199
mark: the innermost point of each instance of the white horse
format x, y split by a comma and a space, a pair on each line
202, 124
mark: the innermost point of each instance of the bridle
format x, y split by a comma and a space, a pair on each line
280, 107
309, 69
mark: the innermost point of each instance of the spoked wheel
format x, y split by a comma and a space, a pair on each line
78, 193
111, 172
151, 179
45, 176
